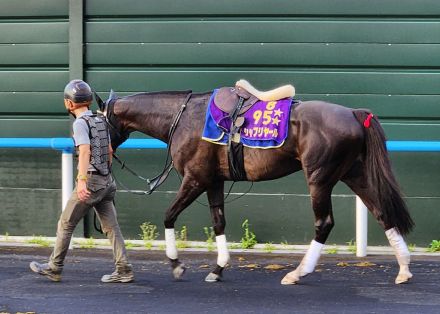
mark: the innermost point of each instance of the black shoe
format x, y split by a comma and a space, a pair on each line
45, 270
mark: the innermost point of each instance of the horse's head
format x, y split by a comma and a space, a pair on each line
118, 134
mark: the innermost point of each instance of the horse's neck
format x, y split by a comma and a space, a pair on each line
150, 115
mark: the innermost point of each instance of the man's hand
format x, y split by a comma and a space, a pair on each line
81, 190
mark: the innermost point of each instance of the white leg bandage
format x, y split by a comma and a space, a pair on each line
402, 254
306, 266
398, 244
311, 258
170, 241
222, 249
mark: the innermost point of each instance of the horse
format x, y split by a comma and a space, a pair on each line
329, 142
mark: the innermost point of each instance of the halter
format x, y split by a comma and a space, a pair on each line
155, 182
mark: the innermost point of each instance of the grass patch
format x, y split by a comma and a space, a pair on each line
182, 238
149, 234
434, 246
88, 244
6, 238
130, 245
249, 239
40, 240
209, 233
332, 250
269, 247
351, 246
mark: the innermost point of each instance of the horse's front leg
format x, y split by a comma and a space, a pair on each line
324, 222
188, 192
216, 204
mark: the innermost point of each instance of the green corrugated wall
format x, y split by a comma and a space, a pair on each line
383, 55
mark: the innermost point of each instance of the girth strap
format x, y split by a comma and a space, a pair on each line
235, 149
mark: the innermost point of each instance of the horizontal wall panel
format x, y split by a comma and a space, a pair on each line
413, 172
291, 218
61, 128
268, 31
34, 8
30, 169
32, 102
384, 106
34, 32
412, 131
29, 212
309, 82
34, 54
33, 80
38, 172
263, 8
22, 127
267, 54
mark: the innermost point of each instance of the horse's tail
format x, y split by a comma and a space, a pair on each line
387, 196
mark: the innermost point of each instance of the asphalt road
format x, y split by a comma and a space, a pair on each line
248, 287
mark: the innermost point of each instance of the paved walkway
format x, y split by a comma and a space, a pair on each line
338, 286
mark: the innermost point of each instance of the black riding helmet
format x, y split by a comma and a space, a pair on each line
78, 91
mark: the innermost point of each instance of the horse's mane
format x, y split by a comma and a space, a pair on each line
184, 92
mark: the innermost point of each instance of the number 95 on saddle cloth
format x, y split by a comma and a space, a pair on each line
265, 124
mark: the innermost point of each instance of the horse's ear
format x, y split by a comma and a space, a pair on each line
101, 103
112, 94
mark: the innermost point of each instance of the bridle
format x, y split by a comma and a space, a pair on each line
156, 181
109, 116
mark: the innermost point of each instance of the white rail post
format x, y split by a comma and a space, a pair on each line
67, 179
361, 228
67, 176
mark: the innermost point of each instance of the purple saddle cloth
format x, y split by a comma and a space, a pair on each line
265, 124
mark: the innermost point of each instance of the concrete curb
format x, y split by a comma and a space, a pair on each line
198, 246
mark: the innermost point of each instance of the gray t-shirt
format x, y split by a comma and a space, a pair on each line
81, 129
81, 132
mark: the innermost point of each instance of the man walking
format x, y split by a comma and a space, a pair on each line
95, 187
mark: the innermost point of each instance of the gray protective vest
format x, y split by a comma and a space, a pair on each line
99, 142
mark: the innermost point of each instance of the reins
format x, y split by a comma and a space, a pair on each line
155, 182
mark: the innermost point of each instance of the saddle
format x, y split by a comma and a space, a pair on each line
235, 101
227, 98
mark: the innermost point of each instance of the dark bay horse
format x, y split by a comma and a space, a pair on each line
329, 142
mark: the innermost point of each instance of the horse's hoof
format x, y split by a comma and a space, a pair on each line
178, 271
291, 278
212, 277
403, 277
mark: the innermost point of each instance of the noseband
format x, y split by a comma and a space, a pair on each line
113, 122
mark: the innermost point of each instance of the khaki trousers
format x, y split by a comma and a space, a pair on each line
103, 189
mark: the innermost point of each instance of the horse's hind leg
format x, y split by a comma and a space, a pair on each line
216, 204
356, 181
189, 190
324, 222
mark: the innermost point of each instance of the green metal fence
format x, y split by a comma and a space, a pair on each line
382, 55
